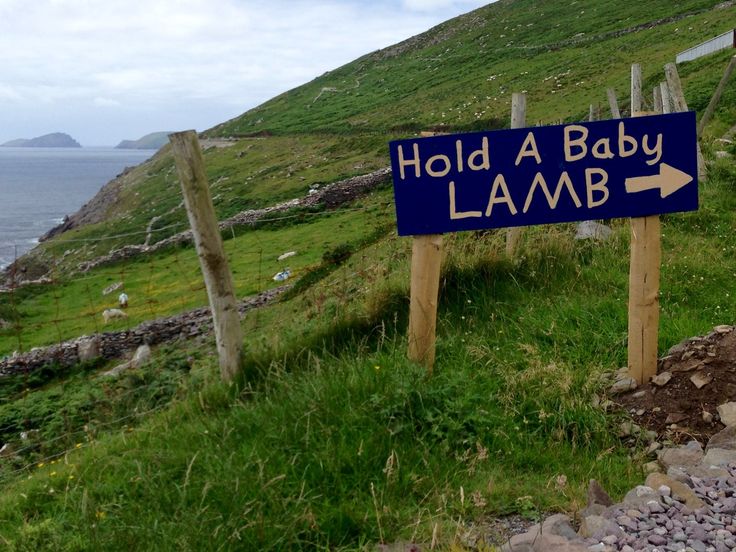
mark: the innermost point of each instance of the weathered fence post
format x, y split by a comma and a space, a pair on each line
613, 103
217, 276
518, 120
678, 100
635, 89
426, 261
657, 95
666, 97
716, 96
644, 270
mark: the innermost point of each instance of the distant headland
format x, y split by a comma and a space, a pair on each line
150, 141
53, 140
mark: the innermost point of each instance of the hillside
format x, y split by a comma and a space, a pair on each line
334, 440
154, 140
53, 140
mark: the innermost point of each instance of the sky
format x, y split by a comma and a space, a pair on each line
107, 70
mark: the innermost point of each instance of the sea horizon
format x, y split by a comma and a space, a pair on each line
39, 187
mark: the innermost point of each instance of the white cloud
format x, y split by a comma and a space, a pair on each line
106, 102
168, 58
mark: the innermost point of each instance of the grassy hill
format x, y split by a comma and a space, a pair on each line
336, 441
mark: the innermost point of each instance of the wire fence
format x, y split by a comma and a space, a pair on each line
45, 325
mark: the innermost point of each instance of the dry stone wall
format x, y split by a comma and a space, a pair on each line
331, 196
115, 344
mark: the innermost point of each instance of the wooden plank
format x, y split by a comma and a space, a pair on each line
217, 276
426, 260
680, 105
708, 114
518, 120
613, 104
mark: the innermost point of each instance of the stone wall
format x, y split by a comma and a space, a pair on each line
116, 344
331, 196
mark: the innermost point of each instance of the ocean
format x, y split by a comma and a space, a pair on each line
39, 186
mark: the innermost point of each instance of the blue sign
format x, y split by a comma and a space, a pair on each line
582, 171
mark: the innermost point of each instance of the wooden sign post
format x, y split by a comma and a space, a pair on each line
426, 260
635, 168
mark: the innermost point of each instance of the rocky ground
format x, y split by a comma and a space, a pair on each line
689, 505
688, 502
686, 416
691, 396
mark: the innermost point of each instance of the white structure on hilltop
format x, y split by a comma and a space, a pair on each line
721, 42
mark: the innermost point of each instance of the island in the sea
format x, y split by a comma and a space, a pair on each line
53, 140
150, 141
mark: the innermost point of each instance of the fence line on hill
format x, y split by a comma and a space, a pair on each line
150, 277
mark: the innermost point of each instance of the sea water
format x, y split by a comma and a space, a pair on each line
40, 186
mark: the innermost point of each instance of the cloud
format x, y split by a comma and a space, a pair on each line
171, 56
436, 5
105, 102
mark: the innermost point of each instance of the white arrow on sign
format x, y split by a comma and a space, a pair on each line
669, 180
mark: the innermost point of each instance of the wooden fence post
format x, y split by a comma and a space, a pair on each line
635, 89
657, 94
646, 256
666, 97
613, 103
678, 100
518, 120
217, 276
426, 260
716, 96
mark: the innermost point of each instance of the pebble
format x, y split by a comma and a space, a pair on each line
662, 523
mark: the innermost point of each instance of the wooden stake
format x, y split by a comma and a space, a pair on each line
518, 120
716, 96
613, 103
646, 257
591, 113
680, 105
666, 97
207, 239
675, 86
426, 260
657, 93
635, 89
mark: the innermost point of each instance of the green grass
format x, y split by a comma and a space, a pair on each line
169, 282
336, 441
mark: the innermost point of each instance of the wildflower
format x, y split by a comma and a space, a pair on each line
78, 445
52, 474
41, 464
100, 514
71, 476
377, 367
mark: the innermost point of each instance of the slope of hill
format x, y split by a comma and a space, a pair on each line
336, 441
154, 140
